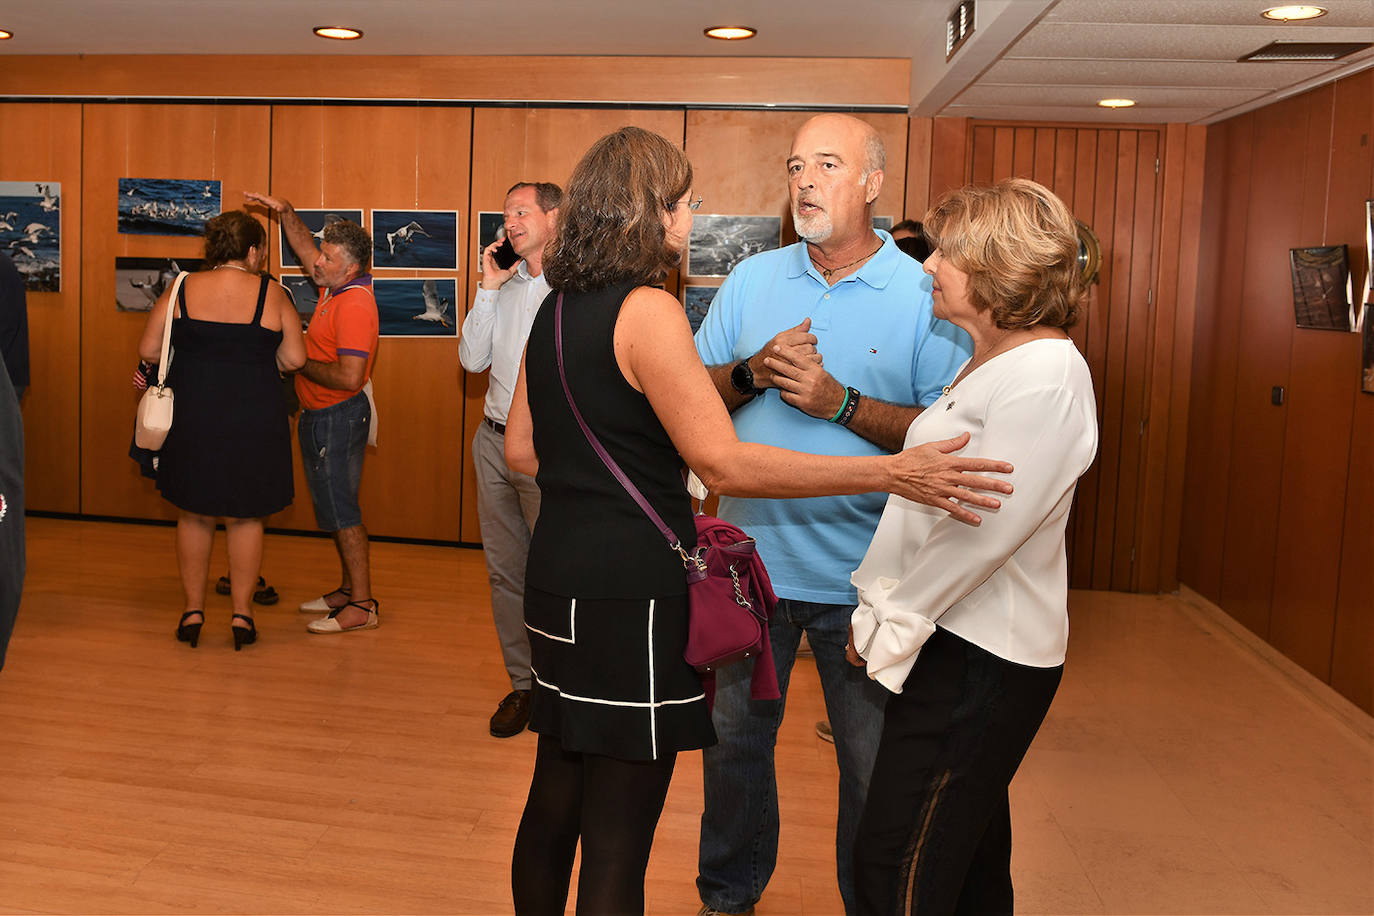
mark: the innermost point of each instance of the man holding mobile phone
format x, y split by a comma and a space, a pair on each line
493, 336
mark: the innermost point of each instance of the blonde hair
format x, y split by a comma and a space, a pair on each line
1018, 243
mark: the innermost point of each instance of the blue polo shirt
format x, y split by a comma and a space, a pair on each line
876, 331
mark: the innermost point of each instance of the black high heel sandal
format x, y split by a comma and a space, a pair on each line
243, 636
190, 632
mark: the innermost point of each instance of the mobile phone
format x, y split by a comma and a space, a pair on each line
504, 255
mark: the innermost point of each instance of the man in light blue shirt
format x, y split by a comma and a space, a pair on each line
827, 346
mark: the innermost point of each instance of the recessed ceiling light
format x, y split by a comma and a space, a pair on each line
1293, 12
340, 32
1115, 103
731, 32
5, 34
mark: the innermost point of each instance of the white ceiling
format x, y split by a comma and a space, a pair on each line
1027, 59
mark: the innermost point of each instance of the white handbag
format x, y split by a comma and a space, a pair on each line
155, 409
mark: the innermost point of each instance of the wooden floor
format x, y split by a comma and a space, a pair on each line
1178, 771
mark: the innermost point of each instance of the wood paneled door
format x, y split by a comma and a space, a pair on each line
1111, 180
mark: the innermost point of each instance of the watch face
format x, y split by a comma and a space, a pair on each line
742, 377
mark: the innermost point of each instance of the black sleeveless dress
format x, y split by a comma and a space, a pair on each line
228, 452
605, 598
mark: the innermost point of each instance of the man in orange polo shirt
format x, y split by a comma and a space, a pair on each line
336, 404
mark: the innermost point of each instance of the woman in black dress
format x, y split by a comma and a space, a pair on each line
228, 454
605, 598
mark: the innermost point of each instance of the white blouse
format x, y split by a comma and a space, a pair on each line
1002, 585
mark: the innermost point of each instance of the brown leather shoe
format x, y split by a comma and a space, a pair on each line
512, 715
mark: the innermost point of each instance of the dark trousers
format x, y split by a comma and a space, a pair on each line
935, 836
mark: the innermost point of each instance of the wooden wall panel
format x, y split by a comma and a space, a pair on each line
390, 158
949, 157
1293, 560
1352, 651
724, 80
920, 150
1162, 498
1352, 658
1226, 211
1128, 332
46, 146
528, 144
224, 142
1265, 340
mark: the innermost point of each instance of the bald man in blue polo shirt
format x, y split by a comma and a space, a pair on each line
828, 346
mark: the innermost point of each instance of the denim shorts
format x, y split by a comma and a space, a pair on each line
332, 443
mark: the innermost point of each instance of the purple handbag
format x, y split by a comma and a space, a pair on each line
729, 595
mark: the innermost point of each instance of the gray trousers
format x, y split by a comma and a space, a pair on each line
507, 506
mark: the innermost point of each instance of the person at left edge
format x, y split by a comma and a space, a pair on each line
494, 335
337, 413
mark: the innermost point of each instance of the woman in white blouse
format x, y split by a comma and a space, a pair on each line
967, 627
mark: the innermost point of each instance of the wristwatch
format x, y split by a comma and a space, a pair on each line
742, 379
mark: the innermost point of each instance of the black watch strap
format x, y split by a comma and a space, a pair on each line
742, 379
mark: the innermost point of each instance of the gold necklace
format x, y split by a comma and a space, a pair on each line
827, 273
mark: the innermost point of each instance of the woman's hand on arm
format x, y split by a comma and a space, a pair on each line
933, 475
520, 454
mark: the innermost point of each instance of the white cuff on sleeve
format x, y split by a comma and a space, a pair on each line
888, 639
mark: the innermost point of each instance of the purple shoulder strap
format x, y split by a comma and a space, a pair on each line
596, 445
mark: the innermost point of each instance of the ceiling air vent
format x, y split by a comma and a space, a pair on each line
1305, 50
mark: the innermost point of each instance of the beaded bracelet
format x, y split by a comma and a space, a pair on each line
838, 413
851, 404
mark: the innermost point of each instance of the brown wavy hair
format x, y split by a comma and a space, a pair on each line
1018, 243
610, 226
229, 236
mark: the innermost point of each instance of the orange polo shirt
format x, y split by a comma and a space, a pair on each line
344, 324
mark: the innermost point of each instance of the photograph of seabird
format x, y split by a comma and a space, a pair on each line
304, 293
31, 231
139, 281
315, 221
697, 300
1321, 288
167, 206
416, 308
491, 227
720, 242
426, 239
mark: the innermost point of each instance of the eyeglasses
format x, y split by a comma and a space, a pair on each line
693, 205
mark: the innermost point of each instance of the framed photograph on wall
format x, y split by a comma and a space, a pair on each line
416, 308
426, 239
697, 300
719, 242
315, 221
304, 293
491, 227
1321, 288
139, 281
167, 206
31, 232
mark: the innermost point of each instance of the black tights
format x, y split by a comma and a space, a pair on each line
612, 806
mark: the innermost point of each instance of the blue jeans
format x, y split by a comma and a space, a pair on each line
739, 827
333, 440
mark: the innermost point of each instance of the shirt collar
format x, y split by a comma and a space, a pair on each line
364, 280
876, 272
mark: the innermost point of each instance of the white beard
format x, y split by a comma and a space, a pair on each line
814, 228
